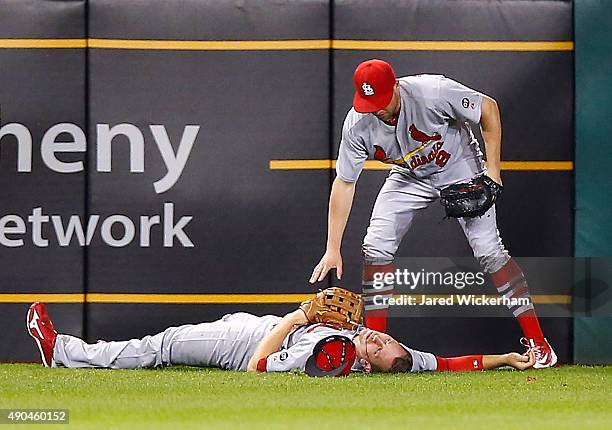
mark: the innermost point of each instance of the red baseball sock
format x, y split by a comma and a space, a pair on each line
459, 364
511, 283
377, 319
530, 325
376, 312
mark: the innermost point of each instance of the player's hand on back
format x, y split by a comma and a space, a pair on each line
520, 361
330, 260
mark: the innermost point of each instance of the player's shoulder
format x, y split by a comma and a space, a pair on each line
421, 86
355, 124
353, 118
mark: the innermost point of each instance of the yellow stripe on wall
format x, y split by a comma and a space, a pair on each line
449, 45
537, 165
196, 298
201, 299
290, 45
155, 298
42, 43
377, 165
212, 45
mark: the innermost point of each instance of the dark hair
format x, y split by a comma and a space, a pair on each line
401, 364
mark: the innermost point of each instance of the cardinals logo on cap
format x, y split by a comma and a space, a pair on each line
367, 89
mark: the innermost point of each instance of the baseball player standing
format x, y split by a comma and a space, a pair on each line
420, 125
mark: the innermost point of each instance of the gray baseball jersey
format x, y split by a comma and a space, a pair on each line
298, 347
431, 136
228, 343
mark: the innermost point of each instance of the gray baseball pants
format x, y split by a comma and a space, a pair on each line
402, 196
227, 343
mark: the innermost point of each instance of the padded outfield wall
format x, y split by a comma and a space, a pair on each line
197, 137
593, 321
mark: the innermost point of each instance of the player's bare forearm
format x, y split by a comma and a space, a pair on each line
513, 359
273, 340
340, 203
490, 122
493, 361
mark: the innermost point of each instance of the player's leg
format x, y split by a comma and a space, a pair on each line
399, 199
508, 278
228, 343
209, 344
71, 351
221, 343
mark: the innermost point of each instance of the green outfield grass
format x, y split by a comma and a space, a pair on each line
571, 397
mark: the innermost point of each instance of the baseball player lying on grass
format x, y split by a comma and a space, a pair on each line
246, 342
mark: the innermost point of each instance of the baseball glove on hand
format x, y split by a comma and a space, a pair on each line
335, 306
470, 199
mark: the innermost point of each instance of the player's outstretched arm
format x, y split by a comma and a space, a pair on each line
490, 122
274, 340
484, 362
513, 359
340, 203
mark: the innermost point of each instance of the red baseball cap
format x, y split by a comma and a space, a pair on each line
374, 83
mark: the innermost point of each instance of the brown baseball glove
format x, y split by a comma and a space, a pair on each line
335, 306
